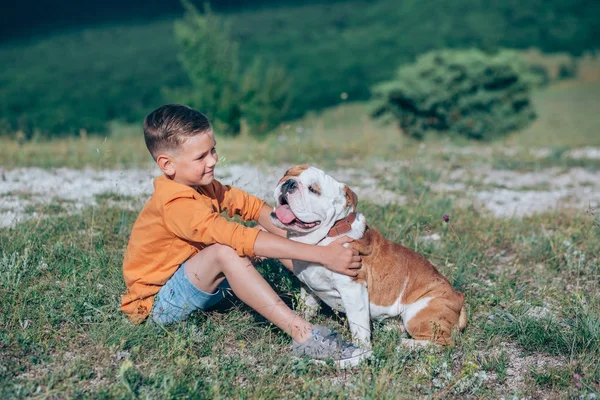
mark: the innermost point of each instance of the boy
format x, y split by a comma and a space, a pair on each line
182, 253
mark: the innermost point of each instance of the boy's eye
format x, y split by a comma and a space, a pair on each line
202, 157
314, 189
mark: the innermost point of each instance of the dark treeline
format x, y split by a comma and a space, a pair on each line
27, 18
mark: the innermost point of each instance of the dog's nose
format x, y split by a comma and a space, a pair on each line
288, 186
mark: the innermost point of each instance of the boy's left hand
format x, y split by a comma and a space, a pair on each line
342, 259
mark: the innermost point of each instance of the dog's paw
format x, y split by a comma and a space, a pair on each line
412, 344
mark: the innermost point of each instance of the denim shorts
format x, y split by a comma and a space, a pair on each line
178, 298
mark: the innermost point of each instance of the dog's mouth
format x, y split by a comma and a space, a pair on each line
287, 217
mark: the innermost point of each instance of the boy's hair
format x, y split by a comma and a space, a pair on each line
167, 127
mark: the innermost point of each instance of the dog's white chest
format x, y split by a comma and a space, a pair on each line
324, 283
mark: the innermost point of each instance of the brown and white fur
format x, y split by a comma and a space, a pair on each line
393, 280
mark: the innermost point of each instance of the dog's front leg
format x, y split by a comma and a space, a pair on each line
308, 304
355, 298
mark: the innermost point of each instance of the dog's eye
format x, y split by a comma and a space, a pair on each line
314, 189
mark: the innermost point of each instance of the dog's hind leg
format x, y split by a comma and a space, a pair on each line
434, 321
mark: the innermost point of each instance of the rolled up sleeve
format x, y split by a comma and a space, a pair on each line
237, 201
191, 220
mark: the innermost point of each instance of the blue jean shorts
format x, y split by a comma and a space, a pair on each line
178, 298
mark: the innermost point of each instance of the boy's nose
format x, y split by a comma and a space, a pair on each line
212, 159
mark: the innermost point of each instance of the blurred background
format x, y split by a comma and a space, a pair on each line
74, 68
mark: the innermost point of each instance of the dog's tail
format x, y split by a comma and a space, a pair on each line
462, 318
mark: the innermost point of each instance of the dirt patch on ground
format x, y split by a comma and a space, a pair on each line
504, 193
519, 368
508, 193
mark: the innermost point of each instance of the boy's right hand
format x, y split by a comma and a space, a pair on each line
340, 259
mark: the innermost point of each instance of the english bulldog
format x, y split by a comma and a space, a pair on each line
393, 281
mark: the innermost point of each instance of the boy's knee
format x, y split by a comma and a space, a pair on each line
229, 259
224, 254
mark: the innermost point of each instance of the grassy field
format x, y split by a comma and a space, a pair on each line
531, 284
340, 136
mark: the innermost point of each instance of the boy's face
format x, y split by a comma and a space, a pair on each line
194, 162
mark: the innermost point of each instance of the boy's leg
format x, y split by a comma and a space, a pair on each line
179, 297
207, 269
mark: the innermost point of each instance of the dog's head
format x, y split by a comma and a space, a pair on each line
310, 202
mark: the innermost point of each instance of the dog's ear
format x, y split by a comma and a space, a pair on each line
294, 171
351, 198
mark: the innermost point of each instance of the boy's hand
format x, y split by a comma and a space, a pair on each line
342, 259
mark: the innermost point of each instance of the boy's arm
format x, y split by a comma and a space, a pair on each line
197, 223
236, 201
334, 256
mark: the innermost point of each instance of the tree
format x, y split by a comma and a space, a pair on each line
259, 95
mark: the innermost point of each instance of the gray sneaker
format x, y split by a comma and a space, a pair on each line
326, 344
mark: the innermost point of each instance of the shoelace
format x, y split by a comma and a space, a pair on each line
345, 346
334, 338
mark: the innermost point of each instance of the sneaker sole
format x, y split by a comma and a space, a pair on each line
346, 362
353, 361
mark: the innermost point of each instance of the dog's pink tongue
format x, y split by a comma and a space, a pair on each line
284, 214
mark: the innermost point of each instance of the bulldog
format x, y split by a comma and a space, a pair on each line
394, 281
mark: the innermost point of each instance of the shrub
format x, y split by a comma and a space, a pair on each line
259, 95
463, 92
210, 60
266, 96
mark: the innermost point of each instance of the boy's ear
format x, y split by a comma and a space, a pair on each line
165, 163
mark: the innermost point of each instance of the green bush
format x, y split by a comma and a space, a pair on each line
266, 96
259, 95
462, 92
210, 60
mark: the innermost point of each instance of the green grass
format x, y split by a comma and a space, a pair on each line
62, 332
568, 118
497, 363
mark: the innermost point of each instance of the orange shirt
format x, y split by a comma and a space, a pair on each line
175, 224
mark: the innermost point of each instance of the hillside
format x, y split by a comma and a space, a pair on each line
85, 77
